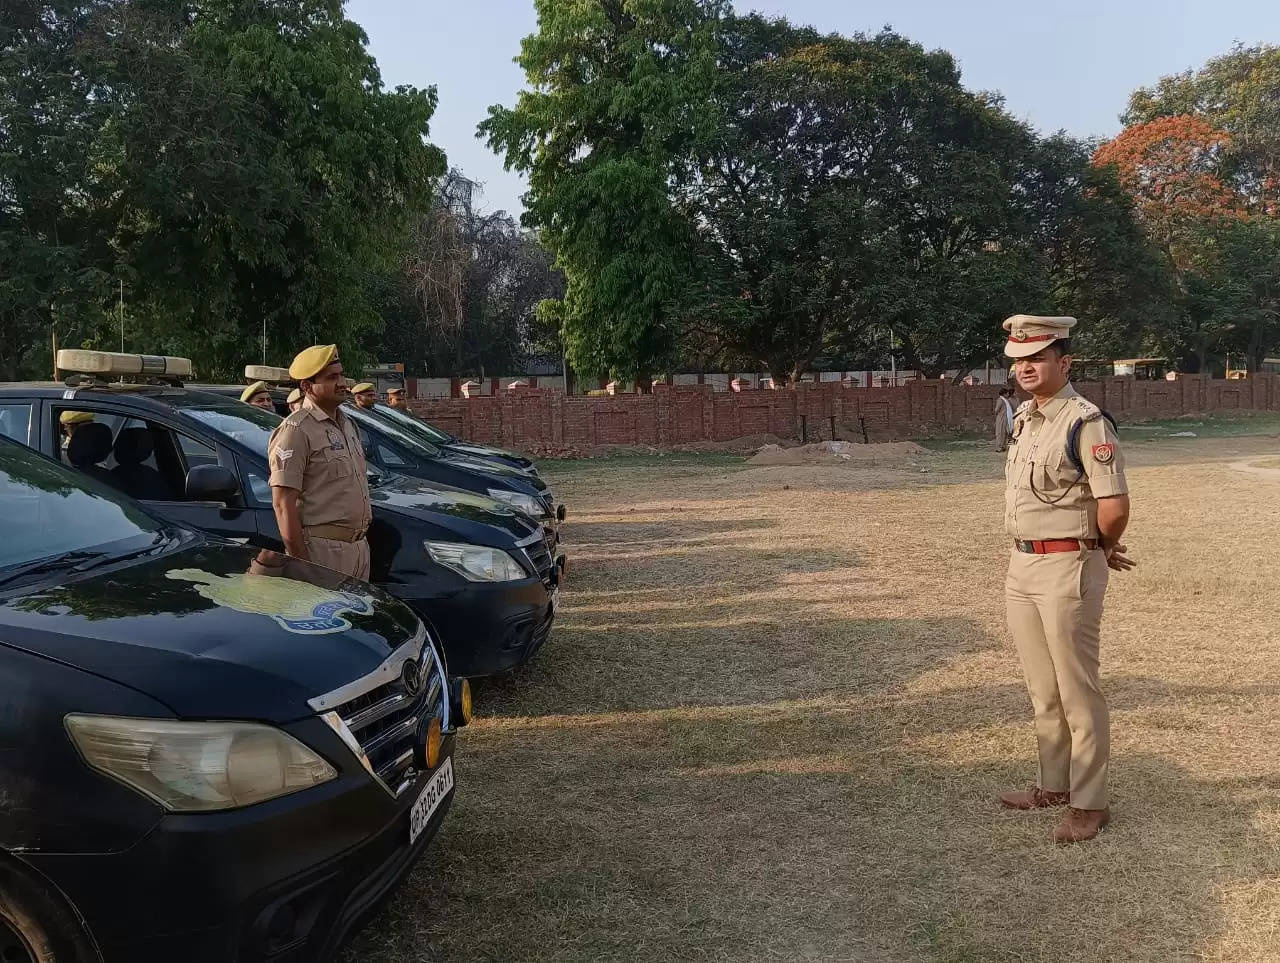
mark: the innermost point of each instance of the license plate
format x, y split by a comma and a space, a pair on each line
432, 796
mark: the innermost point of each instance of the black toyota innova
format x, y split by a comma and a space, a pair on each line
209, 752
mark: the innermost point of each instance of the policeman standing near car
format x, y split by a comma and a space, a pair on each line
365, 395
1066, 507
396, 400
319, 488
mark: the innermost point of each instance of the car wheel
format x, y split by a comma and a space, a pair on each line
35, 926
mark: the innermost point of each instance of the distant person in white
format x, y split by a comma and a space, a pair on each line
1004, 418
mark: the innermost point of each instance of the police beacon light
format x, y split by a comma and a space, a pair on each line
79, 361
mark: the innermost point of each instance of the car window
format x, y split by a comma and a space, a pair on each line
246, 424
49, 510
411, 423
388, 458
414, 444
15, 421
144, 459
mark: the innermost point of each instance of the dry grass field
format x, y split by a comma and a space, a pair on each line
779, 703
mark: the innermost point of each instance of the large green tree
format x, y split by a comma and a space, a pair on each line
55, 257
617, 91
246, 172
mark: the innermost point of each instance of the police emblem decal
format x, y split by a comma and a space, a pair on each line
1103, 454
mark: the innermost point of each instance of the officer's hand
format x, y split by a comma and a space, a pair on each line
1117, 560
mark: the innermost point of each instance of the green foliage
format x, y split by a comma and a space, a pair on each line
242, 167
617, 91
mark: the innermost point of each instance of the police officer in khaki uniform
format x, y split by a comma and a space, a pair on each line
294, 401
1066, 520
258, 394
396, 400
365, 395
319, 488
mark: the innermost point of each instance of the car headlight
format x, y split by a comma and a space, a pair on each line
198, 766
526, 503
477, 563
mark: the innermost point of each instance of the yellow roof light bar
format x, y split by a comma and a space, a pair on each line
79, 361
265, 372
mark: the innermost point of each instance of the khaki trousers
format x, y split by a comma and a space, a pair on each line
1054, 604
349, 558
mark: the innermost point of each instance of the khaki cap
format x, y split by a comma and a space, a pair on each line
395, 391
361, 388
1029, 333
256, 388
312, 361
294, 396
75, 417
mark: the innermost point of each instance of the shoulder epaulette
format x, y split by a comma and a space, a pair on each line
1086, 409
1025, 407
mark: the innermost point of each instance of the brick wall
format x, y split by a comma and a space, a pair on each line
544, 417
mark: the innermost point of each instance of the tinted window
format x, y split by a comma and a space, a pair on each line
246, 424
15, 421
49, 510
417, 446
411, 423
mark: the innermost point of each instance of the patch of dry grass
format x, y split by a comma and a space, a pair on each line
779, 702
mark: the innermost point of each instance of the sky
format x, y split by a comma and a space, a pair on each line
1060, 66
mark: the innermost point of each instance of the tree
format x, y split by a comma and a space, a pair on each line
617, 90
1100, 263
239, 167
1238, 284
1172, 167
469, 297
1238, 93
55, 262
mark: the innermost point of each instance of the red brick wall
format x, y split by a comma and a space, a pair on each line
545, 417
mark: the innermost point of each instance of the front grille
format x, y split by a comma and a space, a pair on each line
539, 553
390, 723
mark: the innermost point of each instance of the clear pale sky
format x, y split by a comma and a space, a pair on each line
1059, 65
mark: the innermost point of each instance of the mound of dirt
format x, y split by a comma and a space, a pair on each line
746, 444
839, 452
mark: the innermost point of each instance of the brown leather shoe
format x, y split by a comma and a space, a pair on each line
1033, 798
1078, 825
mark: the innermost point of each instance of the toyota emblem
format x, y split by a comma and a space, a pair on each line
411, 677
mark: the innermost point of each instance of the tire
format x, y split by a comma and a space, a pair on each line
35, 924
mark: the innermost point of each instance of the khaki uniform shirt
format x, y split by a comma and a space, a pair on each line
322, 457
1043, 498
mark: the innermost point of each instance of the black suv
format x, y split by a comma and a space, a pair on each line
211, 752
481, 573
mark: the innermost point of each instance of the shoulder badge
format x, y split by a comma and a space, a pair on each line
1103, 454
1088, 411
1025, 407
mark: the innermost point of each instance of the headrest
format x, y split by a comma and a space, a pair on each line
89, 445
133, 446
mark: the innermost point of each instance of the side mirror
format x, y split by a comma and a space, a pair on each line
211, 483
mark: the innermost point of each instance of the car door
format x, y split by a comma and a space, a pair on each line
156, 467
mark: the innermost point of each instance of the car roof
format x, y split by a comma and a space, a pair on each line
167, 396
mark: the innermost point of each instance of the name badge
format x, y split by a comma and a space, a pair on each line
336, 442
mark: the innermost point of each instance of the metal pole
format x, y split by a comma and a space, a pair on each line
121, 313
863, 422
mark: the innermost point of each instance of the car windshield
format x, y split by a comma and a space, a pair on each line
417, 425
246, 424
51, 510
417, 445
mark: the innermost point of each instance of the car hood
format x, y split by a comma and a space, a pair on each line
212, 631
484, 451
498, 470
474, 518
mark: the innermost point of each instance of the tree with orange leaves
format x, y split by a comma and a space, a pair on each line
1172, 167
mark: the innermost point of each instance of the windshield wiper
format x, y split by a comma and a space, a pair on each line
81, 560
76, 561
